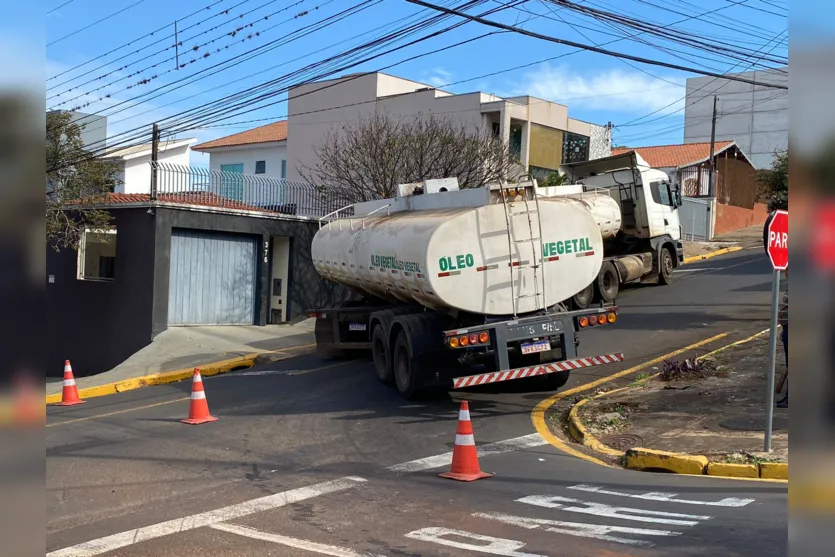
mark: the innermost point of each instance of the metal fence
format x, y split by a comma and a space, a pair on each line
695, 217
232, 190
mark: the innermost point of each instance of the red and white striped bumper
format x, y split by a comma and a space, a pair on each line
523, 372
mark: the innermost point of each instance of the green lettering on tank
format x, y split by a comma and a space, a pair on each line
393, 263
456, 262
569, 245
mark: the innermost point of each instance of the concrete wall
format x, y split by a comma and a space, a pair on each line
98, 324
136, 176
730, 218
754, 116
271, 153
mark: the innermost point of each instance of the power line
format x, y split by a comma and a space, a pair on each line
498, 25
76, 32
109, 52
56, 8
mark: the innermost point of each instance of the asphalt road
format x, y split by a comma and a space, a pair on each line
314, 457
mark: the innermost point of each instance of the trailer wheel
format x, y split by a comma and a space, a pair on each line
607, 283
380, 353
666, 266
554, 381
583, 298
405, 368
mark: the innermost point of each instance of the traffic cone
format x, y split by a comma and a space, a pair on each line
29, 407
69, 395
198, 412
464, 456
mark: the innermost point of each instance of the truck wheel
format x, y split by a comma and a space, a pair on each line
405, 368
666, 266
554, 381
382, 361
607, 282
583, 298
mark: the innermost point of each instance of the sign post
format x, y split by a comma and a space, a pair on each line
777, 246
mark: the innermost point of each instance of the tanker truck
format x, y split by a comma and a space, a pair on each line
636, 209
459, 288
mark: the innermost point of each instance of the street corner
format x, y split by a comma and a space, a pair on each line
699, 251
659, 422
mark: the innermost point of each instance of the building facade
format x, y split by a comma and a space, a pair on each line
136, 163
539, 132
756, 117
259, 151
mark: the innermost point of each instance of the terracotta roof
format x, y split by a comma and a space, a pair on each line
205, 199
277, 131
665, 156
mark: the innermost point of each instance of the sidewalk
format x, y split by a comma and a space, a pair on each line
187, 347
743, 238
717, 412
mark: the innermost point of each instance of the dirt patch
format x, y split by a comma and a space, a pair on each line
715, 408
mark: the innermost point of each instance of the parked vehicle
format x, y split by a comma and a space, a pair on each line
453, 279
636, 208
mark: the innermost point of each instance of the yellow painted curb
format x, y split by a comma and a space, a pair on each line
161, 378
729, 470
774, 470
722, 251
650, 459
581, 434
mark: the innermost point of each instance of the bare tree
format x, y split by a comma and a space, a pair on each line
366, 160
75, 183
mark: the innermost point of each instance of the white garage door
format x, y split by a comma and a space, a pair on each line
212, 278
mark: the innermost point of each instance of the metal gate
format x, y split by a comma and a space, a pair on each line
696, 218
212, 279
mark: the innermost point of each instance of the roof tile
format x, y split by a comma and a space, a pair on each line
277, 131
664, 156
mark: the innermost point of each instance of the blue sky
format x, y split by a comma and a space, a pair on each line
595, 87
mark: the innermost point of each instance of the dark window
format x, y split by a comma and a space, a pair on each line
661, 193
575, 148
260, 167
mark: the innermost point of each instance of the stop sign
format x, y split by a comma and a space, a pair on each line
778, 240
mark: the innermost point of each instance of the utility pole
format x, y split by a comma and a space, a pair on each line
176, 46
154, 160
711, 188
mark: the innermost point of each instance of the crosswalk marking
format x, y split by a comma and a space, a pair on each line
598, 531
314, 547
626, 513
494, 546
667, 497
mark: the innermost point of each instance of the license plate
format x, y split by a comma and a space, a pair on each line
357, 327
534, 347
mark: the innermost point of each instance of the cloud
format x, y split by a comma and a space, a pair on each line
609, 90
438, 77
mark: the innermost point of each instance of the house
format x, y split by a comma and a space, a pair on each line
135, 162
182, 257
735, 203
539, 132
755, 117
259, 151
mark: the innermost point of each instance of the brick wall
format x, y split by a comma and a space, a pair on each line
730, 218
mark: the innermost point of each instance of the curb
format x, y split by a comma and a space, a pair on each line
643, 459
723, 251
206, 370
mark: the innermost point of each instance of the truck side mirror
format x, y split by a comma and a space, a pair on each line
677, 196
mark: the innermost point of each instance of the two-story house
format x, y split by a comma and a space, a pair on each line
262, 150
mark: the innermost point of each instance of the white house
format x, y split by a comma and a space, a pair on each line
136, 162
262, 150
538, 131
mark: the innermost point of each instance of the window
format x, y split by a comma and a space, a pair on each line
575, 148
260, 167
283, 169
661, 193
232, 185
97, 255
238, 168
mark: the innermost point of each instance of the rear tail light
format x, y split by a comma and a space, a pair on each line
464, 340
453, 342
484, 337
592, 320
473, 338
612, 317
584, 322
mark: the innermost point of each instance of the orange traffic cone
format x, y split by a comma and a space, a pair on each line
69, 396
198, 412
29, 407
464, 456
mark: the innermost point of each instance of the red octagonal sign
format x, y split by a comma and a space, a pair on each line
778, 240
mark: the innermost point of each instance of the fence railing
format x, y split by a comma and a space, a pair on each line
232, 190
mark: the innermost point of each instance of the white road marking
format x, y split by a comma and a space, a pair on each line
495, 546
499, 447
625, 513
260, 372
694, 270
598, 531
116, 541
305, 545
668, 497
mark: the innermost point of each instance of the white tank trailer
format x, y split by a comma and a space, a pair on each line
461, 277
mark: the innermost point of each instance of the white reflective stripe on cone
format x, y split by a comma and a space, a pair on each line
463, 415
197, 378
464, 440
198, 395
69, 382
67, 368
